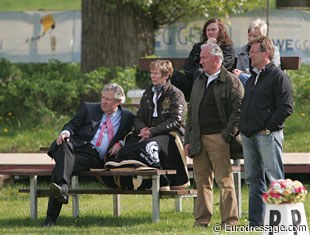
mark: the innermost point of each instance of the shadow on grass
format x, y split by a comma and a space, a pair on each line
83, 221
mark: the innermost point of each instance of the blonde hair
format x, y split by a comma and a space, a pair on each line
165, 66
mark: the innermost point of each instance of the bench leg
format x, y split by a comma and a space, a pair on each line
33, 196
237, 180
75, 198
178, 204
155, 198
117, 205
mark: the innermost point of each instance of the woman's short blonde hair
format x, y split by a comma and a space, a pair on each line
165, 66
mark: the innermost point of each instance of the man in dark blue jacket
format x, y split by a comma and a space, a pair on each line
267, 103
95, 133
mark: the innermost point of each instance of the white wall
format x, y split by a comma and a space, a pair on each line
21, 38
289, 30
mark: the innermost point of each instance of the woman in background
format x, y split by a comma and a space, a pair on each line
257, 28
213, 30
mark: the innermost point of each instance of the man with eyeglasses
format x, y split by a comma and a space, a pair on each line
267, 103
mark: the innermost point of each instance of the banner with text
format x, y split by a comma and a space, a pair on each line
43, 36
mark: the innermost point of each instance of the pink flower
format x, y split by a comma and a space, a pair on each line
285, 191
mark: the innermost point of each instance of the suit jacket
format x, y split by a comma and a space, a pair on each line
84, 125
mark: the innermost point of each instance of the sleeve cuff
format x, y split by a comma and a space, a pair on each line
65, 132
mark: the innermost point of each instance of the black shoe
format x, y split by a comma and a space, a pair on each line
60, 193
48, 222
164, 183
198, 225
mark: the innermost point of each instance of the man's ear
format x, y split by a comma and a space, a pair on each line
119, 102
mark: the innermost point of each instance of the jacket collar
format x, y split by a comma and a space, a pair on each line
166, 86
255, 71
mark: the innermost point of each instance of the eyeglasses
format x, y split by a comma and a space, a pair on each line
254, 52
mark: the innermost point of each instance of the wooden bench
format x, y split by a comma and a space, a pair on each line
34, 171
287, 63
236, 168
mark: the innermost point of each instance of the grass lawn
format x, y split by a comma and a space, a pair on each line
34, 5
96, 214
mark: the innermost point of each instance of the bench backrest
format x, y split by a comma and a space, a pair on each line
287, 63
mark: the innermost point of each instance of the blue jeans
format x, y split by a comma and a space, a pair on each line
262, 157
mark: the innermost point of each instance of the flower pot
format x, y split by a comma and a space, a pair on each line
288, 219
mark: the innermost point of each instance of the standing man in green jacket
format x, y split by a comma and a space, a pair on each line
212, 122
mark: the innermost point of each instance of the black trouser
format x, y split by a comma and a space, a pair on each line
70, 159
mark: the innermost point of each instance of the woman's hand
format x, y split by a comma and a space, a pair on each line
145, 133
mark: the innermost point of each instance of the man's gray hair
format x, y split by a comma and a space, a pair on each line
119, 93
214, 49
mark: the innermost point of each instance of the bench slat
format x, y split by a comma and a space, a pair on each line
290, 62
31, 171
45, 192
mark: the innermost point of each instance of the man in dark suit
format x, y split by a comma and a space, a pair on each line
95, 133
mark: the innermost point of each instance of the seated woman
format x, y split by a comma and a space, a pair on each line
158, 126
257, 28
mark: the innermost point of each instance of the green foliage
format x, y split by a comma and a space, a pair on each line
35, 94
8, 72
301, 84
37, 99
95, 80
143, 79
167, 11
297, 129
40, 88
34, 5
162, 12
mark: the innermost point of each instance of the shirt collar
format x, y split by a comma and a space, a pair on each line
212, 77
114, 113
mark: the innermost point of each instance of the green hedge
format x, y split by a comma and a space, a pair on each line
143, 79
32, 92
301, 84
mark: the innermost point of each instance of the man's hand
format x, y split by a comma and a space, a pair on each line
62, 138
114, 150
237, 72
186, 149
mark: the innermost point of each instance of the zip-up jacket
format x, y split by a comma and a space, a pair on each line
267, 104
